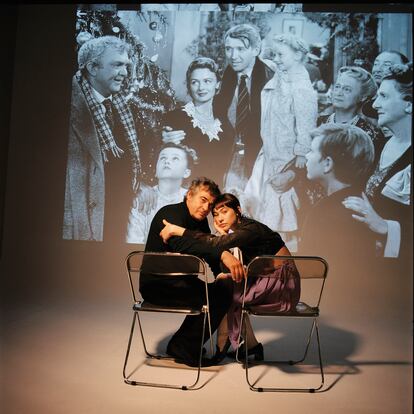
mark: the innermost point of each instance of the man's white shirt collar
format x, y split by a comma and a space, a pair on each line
100, 98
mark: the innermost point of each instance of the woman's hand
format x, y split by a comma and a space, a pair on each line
170, 230
237, 270
168, 135
219, 229
300, 161
280, 182
366, 212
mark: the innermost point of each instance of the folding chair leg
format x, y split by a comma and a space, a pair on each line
307, 345
128, 349
315, 329
161, 385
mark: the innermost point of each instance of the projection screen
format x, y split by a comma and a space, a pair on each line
122, 168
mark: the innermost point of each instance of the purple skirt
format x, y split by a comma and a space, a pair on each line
278, 291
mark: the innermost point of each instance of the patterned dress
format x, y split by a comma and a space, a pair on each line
212, 141
289, 112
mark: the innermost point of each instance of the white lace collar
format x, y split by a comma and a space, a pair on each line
207, 127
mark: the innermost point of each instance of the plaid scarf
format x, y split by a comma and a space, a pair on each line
105, 134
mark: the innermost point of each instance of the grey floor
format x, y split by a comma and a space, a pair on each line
66, 357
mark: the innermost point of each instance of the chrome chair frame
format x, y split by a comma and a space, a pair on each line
302, 310
139, 305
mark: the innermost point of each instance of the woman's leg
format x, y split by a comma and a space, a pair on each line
222, 333
248, 334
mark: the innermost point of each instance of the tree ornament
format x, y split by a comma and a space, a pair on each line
116, 29
83, 37
153, 25
157, 37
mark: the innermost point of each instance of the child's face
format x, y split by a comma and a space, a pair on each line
285, 56
224, 218
203, 85
172, 163
314, 160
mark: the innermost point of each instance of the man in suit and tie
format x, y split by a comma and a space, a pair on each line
103, 167
240, 95
239, 99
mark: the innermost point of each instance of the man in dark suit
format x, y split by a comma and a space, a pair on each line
242, 47
188, 291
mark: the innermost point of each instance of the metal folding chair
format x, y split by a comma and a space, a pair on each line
165, 265
313, 272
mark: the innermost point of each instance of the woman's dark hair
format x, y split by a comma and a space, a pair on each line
202, 63
228, 200
403, 77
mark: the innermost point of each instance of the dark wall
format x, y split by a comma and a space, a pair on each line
8, 36
36, 262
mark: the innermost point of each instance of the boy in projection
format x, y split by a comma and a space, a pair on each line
173, 166
340, 159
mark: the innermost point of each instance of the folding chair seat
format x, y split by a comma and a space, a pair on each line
313, 272
165, 265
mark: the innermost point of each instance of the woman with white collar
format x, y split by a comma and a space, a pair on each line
196, 125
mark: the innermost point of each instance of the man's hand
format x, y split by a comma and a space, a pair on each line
170, 230
168, 135
237, 270
147, 199
366, 213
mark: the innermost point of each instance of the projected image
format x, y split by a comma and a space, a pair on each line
294, 122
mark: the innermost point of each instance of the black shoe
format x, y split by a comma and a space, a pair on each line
257, 351
182, 355
220, 355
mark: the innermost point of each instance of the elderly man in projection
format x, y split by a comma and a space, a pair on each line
103, 168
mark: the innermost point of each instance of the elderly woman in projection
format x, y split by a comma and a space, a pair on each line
196, 125
385, 207
354, 87
289, 112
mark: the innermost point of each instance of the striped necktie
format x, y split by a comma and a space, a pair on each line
107, 103
243, 106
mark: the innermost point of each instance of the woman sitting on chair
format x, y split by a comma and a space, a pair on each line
280, 292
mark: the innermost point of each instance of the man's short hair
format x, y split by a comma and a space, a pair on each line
204, 183
404, 59
92, 50
247, 33
351, 150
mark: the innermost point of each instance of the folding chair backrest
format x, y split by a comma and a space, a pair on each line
161, 264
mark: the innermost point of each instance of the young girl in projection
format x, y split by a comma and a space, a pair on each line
289, 112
